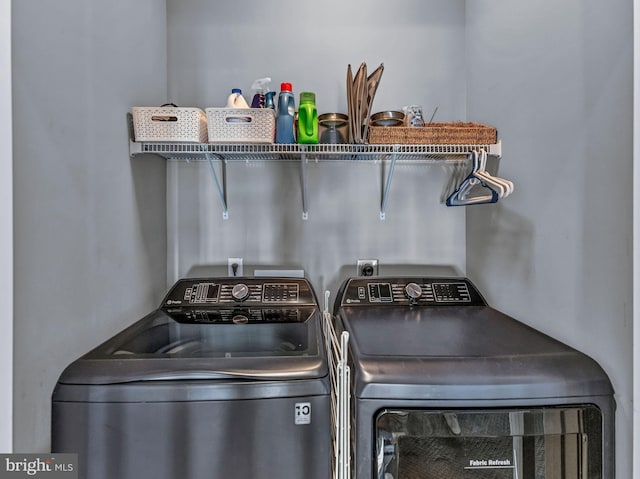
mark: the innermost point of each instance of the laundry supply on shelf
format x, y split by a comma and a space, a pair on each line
307, 119
260, 86
236, 100
268, 100
286, 113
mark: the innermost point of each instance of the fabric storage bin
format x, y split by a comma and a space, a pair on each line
241, 125
169, 123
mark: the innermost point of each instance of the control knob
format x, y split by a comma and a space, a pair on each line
413, 292
240, 319
240, 292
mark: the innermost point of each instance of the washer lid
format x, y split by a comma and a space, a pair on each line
158, 347
215, 328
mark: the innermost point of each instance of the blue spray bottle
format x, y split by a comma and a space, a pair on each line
268, 100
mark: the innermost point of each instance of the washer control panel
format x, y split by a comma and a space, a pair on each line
411, 291
240, 315
219, 292
241, 300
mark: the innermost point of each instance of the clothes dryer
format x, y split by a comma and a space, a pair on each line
446, 386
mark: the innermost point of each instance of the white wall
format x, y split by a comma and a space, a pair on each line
214, 46
636, 236
89, 222
556, 79
89, 233
6, 232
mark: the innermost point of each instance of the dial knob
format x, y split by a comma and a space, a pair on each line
240, 292
413, 292
240, 319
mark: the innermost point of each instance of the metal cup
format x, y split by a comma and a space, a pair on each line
333, 128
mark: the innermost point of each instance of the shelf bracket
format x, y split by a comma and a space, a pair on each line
303, 182
221, 188
387, 186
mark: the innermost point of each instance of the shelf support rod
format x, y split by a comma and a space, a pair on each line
385, 192
303, 182
221, 189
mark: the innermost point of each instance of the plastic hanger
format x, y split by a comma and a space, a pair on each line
494, 182
508, 184
460, 197
505, 186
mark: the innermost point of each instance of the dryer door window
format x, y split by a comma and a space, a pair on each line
536, 443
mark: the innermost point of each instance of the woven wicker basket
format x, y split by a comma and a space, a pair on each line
450, 133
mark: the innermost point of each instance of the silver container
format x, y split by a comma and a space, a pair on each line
333, 128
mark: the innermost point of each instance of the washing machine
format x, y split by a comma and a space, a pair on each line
228, 378
445, 386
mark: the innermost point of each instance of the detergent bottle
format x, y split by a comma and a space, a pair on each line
307, 118
286, 113
236, 100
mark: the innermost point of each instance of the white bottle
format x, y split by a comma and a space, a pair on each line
236, 100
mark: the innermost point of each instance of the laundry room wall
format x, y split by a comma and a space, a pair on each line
215, 46
90, 242
90, 234
6, 232
556, 78
636, 232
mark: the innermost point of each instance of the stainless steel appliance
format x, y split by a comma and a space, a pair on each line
445, 386
227, 379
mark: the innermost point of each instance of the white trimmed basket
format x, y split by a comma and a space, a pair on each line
241, 125
169, 123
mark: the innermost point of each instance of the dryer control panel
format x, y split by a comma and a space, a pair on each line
411, 291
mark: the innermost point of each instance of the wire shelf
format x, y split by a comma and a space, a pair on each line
223, 153
344, 152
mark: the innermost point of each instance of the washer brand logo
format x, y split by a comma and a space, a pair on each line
303, 413
50, 466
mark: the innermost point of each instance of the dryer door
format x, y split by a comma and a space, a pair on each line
536, 443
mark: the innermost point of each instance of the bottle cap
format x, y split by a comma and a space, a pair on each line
286, 87
236, 90
308, 97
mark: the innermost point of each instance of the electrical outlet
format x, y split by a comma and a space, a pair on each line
367, 267
234, 266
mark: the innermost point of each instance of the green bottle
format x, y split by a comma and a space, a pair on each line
307, 118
